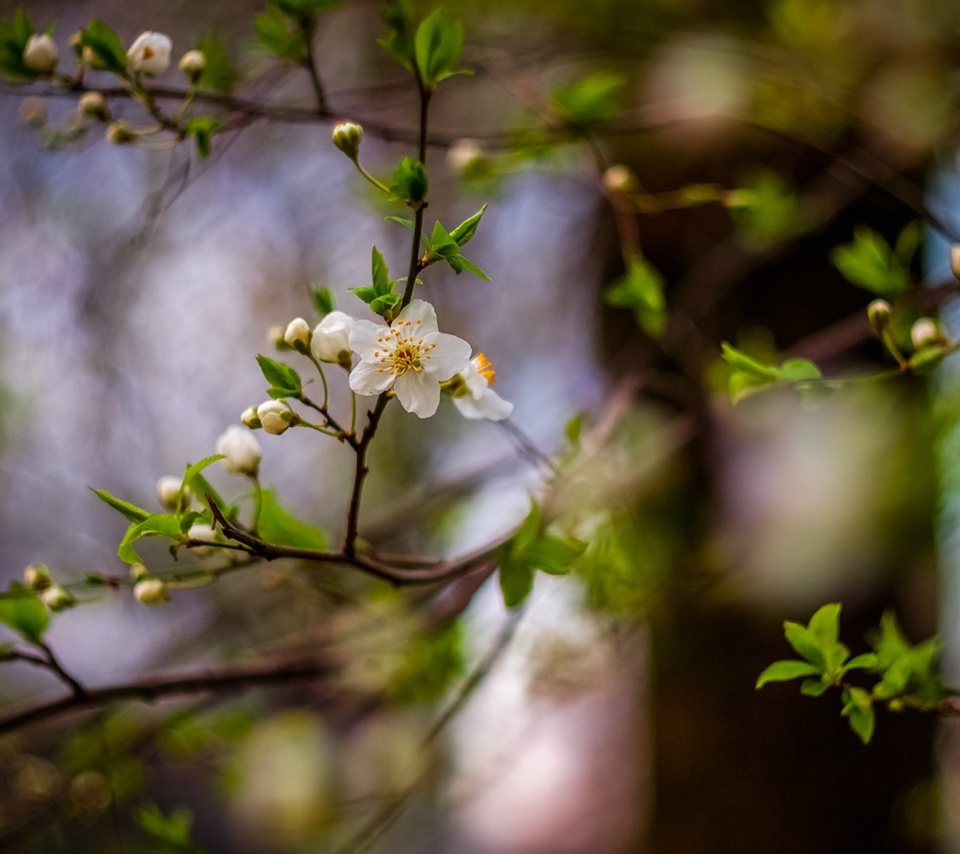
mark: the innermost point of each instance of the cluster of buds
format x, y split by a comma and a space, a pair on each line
37, 577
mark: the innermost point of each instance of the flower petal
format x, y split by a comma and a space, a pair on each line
424, 312
488, 405
363, 338
369, 379
418, 393
449, 356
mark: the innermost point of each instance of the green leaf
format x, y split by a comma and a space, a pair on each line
281, 376
192, 473
381, 275
386, 304
815, 687
866, 661
516, 580
304, 9
437, 47
406, 223
805, 643
870, 263
410, 183
430, 666
463, 232
859, 709
640, 289
553, 555
366, 292
322, 299
748, 375
159, 525
769, 211
105, 45
14, 35
889, 643
399, 41
825, 624
22, 611
591, 100
130, 511
784, 671
219, 75
280, 36
173, 830
277, 525
201, 129
798, 370
469, 266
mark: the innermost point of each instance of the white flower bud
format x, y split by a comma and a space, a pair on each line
41, 54
297, 335
192, 63
241, 451
275, 336
168, 490
955, 260
150, 591
276, 416
138, 571
331, 339
93, 105
249, 418
878, 312
619, 179
464, 155
347, 137
150, 54
206, 534
37, 577
56, 598
120, 133
926, 332
33, 112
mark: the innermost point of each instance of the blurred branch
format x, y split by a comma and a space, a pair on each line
227, 680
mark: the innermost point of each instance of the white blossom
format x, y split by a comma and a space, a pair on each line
297, 334
473, 395
150, 54
241, 451
276, 416
410, 356
40, 53
331, 339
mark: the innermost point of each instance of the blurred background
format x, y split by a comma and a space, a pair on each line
617, 712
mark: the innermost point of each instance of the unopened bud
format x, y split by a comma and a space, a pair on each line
204, 534
138, 571
331, 339
275, 336
76, 43
41, 54
347, 137
93, 105
37, 577
192, 63
241, 451
927, 332
56, 598
168, 491
120, 133
878, 312
249, 418
465, 156
619, 179
33, 112
955, 260
276, 416
150, 591
297, 335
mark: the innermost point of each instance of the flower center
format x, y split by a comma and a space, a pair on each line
401, 350
485, 368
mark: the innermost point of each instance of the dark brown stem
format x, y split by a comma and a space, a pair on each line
154, 689
345, 435
54, 665
310, 63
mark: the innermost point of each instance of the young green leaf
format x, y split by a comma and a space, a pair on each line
322, 299
105, 45
640, 289
591, 100
22, 611
410, 183
159, 525
201, 129
279, 526
870, 263
516, 580
399, 41
130, 511
784, 671
283, 379
806, 643
463, 232
437, 47
859, 709
381, 275
219, 74
14, 35
280, 36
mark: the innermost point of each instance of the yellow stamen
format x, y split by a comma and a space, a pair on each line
485, 368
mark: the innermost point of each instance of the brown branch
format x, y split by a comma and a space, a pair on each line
155, 689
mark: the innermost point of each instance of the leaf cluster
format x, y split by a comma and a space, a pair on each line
870, 262
906, 675
530, 549
430, 51
381, 296
749, 375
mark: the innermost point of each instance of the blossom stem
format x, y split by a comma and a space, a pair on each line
378, 184
257, 503
323, 379
373, 422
